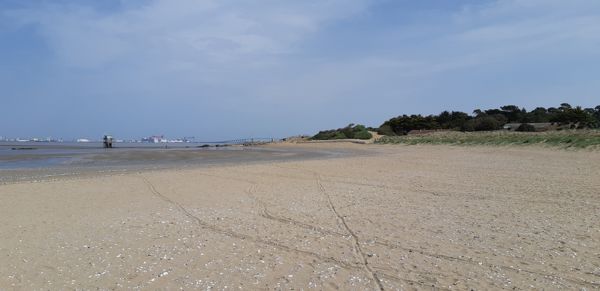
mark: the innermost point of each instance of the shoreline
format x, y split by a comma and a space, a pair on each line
113, 162
296, 151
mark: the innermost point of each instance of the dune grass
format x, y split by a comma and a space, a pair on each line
579, 139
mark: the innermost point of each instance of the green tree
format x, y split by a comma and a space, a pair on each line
452, 120
401, 125
513, 113
539, 114
577, 116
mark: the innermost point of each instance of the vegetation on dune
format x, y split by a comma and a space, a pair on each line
351, 131
563, 117
551, 126
564, 138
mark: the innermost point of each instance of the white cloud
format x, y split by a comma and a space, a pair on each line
516, 22
509, 31
210, 35
183, 31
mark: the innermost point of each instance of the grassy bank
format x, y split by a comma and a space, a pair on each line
563, 139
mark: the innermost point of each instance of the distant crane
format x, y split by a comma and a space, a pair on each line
108, 141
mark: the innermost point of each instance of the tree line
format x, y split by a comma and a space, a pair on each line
563, 117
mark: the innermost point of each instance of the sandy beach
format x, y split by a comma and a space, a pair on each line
389, 217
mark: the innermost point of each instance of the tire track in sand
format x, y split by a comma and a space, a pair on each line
355, 238
266, 213
383, 242
241, 236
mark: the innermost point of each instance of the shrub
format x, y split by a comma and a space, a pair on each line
482, 123
526, 127
468, 126
386, 130
351, 131
487, 123
363, 135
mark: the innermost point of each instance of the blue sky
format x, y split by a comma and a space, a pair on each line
220, 69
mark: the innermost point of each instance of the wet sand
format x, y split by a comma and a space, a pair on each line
48, 162
377, 217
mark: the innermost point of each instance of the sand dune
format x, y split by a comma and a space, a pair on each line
398, 217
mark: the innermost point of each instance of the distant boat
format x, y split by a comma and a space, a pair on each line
83, 140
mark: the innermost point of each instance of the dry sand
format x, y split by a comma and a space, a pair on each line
406, 217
